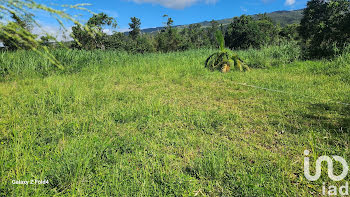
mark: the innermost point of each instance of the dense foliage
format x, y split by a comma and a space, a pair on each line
168, 39
245, 32
91, 36
325, 28
135, 27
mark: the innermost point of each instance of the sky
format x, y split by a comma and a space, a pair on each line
182, 11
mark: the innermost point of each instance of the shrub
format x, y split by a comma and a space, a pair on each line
225, 58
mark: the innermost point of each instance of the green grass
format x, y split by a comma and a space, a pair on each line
114, 124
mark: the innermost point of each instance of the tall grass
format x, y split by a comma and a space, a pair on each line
163, 125
338, 67
272, 55
29, 63
21, 64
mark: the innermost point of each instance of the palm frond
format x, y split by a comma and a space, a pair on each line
221, 40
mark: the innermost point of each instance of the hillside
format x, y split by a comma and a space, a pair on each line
280, 17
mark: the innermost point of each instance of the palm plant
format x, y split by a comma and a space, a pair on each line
225, 58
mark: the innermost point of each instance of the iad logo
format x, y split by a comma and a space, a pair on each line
330, 167
332, 190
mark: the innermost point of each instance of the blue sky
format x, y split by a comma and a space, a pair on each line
182, 11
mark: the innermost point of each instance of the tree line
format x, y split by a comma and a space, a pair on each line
323, 32
242, 33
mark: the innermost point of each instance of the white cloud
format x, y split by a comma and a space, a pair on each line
175, 4
57, 32
126, 29
290, 2
108, 31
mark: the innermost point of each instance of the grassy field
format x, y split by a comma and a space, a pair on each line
114, 124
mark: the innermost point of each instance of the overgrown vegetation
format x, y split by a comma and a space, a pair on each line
162, 125
245, 32
268, 56
120, 120
19, 64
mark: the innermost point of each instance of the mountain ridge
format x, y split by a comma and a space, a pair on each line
282, 17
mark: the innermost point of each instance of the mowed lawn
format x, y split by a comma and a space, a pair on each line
163, 125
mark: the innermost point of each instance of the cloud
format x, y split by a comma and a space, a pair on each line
55, 31
175, 4
289, 2
126, 29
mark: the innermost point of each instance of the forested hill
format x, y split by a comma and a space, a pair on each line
280, 17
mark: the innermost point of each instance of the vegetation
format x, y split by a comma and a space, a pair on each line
290, 32
245, 32
91, 36
135, 27
225, 58
16, 35
269, 56
161, 124
325, 28
136, 114
283, 18
169, 38
324, 32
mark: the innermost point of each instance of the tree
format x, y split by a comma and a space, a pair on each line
242, 33
212, 31
143, 44
290, 32
168, 39
268, 30
135, 28
91, 35
246, 32
194, 37
324, 28
117, 41
169, 22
